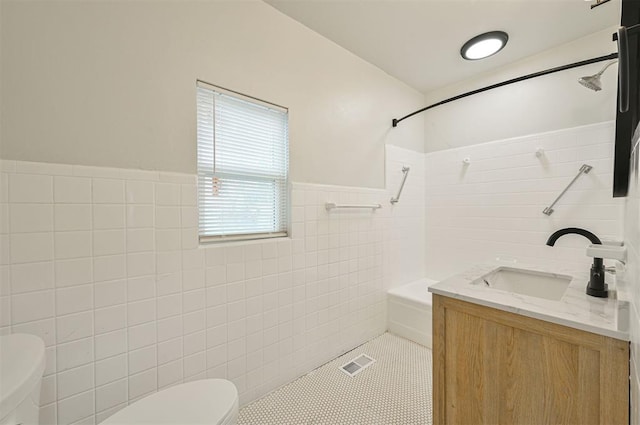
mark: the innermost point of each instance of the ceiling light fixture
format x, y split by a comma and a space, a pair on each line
484, 45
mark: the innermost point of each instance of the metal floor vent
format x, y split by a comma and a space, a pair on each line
357, 365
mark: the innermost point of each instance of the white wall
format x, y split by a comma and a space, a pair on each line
493, 207
112, 83
552, 102
632, 278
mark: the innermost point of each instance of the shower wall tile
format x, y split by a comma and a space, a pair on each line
405, 231
491, 208
104, 265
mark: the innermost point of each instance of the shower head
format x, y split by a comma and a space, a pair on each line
593, 81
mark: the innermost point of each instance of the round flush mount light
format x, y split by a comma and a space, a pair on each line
484, 45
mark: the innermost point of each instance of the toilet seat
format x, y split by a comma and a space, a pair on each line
207, 401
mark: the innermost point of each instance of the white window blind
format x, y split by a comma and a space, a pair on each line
243, 161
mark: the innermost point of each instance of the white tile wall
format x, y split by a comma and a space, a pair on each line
104, 265
492, 207
632, 278
405, 247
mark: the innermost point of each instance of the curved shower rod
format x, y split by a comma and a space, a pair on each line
610, 56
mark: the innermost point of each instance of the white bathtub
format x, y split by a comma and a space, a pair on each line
409, 311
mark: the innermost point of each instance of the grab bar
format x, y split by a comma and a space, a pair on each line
331, 206
584, 169
405, 170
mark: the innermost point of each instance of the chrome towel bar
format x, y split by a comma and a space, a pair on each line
584, 169
332, 206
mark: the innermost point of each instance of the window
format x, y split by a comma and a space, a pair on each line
243, 161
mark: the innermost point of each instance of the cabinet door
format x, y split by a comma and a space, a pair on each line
494, 367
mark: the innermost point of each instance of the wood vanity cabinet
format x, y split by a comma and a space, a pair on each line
495, 367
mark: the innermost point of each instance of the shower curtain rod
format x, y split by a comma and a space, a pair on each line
610, 56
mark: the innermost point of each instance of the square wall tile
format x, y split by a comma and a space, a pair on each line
110, 293
5, 249
108, 191
111, 369
169, 283
74, 326
140, 192
143, 383
193, 279
140, 240
169, 328
5, 312
31, 247
167, 218
194, 343
72, 190
111, 344
69, 217
169, 374
141, 288
194, 364
30, 188
108, 216
142, 359
31, 277
111, 395
170, 350
26, 218
75, 381
75, 408
108, 242
142, 335
167, 194
169, 305
74, 299
72, 245
74, 272
49, 414
189, 194
141, 312
141, 264
74, 354
110, 319
32, 306
109, 267
140, 216
48, 392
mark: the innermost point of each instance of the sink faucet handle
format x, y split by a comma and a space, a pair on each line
611, 252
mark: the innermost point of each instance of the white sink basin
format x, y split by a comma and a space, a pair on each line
549, 286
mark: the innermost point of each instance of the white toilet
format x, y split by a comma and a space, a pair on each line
208, 401
21, 368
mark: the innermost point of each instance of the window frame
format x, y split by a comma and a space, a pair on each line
285, 203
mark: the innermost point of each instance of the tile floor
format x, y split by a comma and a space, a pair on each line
394, 390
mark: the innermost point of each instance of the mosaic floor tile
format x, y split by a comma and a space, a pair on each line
395, 390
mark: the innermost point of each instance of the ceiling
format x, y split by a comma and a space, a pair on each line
419, 41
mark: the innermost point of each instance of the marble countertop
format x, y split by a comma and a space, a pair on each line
576, 309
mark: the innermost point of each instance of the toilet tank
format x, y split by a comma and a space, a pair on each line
21, 368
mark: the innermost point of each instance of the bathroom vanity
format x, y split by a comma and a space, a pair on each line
517, 354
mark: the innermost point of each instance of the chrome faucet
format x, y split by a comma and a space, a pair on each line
596, 286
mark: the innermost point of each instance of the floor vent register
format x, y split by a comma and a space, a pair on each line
357, 365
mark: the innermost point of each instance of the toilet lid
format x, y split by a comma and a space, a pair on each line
207, 401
